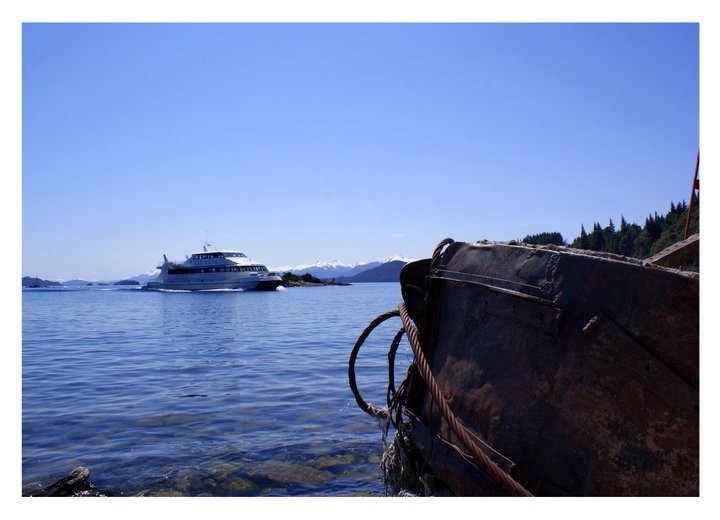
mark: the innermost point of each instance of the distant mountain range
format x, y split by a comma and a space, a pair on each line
349, 273
146, 277
326, 270
29, 281
387, 271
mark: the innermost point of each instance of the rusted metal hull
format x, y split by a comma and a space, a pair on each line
581, 371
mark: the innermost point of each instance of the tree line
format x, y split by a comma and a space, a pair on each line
632, 240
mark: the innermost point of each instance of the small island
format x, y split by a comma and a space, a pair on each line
34, 283
127, 282
306, 280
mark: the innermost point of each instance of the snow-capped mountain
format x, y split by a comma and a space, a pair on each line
332, 269
400, 258
335, 269
146, 277
385, 272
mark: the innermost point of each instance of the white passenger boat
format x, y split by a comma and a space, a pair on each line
212, 270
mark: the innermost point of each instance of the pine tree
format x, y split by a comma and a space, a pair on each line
609, 238
627, 240
583, 242
555, 238
597, 238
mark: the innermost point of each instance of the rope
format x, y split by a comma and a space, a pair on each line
482, 460
391, 391
436, 253
365, 406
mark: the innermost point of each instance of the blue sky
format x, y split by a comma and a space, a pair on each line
351, 142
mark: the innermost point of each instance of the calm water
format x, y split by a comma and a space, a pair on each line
219, 393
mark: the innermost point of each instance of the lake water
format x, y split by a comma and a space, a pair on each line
210, 393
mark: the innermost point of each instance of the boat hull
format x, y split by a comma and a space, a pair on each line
263, 284
580, 370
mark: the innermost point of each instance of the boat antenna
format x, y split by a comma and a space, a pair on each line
207, 244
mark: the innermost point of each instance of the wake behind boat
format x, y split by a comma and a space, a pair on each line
213, 270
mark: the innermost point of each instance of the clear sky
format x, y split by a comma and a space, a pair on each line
352, 142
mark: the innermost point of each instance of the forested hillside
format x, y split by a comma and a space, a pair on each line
659, 232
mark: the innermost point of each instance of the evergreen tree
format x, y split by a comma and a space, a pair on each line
609, 238
654, 226
597, 238
627, 239
584, 240
545, 238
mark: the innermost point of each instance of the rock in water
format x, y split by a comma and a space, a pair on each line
77, 483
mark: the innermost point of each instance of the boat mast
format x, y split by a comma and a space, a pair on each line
206, 244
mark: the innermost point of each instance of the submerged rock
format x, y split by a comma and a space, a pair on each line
327, 461
77, 483
240, 486
289, 473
